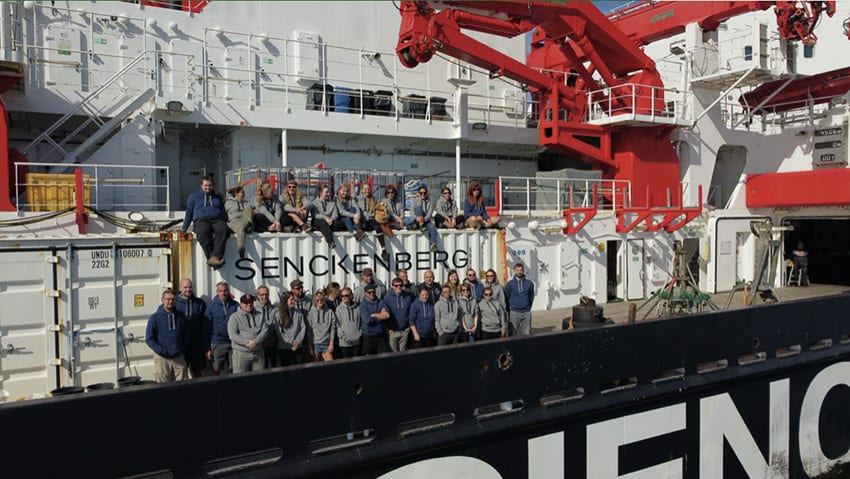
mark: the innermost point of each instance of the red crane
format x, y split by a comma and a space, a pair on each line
574, 44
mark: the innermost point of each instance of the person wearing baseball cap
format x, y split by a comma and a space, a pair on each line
247, 332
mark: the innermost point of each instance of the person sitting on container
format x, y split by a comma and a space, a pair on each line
432, 286
468, 312
247, 333
322, 328
367, 278
205, 212
217, 314
492, 316
269, 210
422, 218
326, 216
348, 324
296, 212
447, 216
373, 328
367, 203
239, 217
349, 212
474, 212
446, 318
395, 209
421, 319
193, 308
166, 336
289, 324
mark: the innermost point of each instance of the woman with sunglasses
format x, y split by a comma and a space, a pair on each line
322, 321
293, 206
348, 325
469, 312
493, 321
446, 216
474, 210
491, 280
289, 325
367, 204
395, 209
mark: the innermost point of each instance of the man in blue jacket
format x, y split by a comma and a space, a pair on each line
217, 314
398, 301
193, 308
166, 336
373, 316
519, 296
205, 211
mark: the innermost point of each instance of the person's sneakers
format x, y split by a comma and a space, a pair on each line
433, 246
331, 245
359, 234
242, 252
385, 255
305, 227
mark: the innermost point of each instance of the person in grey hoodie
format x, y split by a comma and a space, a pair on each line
446, 216
469, 313
349, 212
247, 332
290, 326
322, 329
493, 322
326, 216
367, 203
238, 217
269, 210
491, 280
447, 318
422, 217
348, 324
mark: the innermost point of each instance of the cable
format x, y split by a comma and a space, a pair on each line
36, 219
146, 226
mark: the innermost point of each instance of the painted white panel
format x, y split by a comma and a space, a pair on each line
26, 345
64, 65
304, 57
635, 276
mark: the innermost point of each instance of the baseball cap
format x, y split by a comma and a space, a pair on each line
246, 298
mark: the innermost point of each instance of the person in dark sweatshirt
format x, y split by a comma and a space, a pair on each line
519, 296
166, 336
205, 212
193, 308
422, 320
373, 316
432, 286
398, 301
217, 314
447, 318
348, 324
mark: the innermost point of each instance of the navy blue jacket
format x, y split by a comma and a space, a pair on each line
193, 308
201, 206
519, 294
433, 291
217, 315
368, 325
422, 316
478, 289
470, 209
166, 333
398, 305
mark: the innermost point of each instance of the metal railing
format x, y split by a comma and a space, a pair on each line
540, 196
636, 101
106, 187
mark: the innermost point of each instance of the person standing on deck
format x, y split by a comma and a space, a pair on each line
267, 309
398, 302
217, 314
205, 212
247, 332
519, 296
166, 336
373, 316
447, 318
801, 262
193, 308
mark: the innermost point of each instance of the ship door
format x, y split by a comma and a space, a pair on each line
635, 274
616, 260
28, 343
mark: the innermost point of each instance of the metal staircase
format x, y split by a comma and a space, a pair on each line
86, 107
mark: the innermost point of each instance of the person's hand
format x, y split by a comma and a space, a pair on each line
250, 344
416, 336
329, 221
209, 355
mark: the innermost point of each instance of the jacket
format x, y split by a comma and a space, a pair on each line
294, 334
271, 208
237, 209
243, 326
492, 319
348, 324
446, 207
519, 294
369, 325
422, 207
217, 314
399, 308
166, 332
498, 293
396, 210
359, 291
345, 207
433, 291
468, 310
446, 316
322, 325
364, 206
422, 316
325, 209
202, 206
268, 312
193, 308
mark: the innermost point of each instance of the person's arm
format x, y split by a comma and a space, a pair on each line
333, 331
190, 208
262, 333
411, 321
301, 331
233, 331
151, 336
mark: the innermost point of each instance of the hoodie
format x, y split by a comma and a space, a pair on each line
322, 325
202, 206
492, 317
296, 331
348, 324
243, 326
474, 209
446, 207
237, 210
166, 332
446, 316
271, 208
399, 308
498, 292
433, 291
217, 314
519, 294
422, 316
193, 309
468, 310
370, 325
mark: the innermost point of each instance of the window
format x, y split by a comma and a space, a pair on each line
748, 53
808, 51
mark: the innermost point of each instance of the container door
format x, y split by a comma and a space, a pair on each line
27, 319
635, 275
112, 291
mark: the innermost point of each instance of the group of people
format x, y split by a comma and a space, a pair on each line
190, 338
214, 219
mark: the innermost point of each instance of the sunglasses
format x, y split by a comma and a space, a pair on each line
487, 295
345, 296
371, 291
396, 286
464, 290
491, 275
